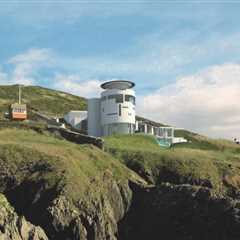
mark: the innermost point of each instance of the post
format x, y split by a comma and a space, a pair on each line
145, 128
19, 94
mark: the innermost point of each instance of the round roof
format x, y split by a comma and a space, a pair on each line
118, 84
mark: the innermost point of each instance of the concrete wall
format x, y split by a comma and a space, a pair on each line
77, 137
94, 117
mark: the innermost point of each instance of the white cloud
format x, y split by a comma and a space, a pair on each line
74, 85
207, 102
27, 64
25, 67
32, 55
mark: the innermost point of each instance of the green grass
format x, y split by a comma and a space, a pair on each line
50, 102
204, 161
196, 141
132, 142
78, 170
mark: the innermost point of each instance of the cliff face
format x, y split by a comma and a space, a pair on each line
80, 192
17, 228
71, 191
194, 193
180, 212
94, 216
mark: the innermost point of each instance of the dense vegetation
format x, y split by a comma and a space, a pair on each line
45, 100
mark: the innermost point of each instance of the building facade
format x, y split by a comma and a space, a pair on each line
114, 112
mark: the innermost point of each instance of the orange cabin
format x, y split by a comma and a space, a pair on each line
18, 111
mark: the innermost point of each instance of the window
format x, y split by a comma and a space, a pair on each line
19, 110
103, 98
129, 98
111, 114
118, 98
120, 110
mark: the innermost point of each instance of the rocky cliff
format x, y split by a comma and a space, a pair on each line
17, 228
59, 190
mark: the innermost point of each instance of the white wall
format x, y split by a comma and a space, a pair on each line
110, 109
94, 117
75, 117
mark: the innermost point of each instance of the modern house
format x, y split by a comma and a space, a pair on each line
114, 113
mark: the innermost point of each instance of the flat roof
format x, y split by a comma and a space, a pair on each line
17, 105
118, 84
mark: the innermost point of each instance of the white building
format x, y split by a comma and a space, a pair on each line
163, 134
114, 112
75, 118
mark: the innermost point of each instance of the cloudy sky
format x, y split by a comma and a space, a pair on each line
184, 56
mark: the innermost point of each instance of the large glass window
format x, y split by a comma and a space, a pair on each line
130, 98
118, 98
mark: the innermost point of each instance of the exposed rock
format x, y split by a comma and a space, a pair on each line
180, 212
13, 227
96, 219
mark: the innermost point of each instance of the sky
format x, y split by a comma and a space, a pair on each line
184, 56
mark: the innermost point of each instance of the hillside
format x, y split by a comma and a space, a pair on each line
196, 187
48, 101
201, 161
61, 186
53, 189
80, 192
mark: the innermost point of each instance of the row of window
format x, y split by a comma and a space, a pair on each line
19, 110
119, 98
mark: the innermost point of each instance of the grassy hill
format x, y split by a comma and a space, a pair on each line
74, 163
81, 192
203, 161
48, 101
53, 183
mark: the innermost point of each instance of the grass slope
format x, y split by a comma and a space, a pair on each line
59, 162
45, 100
203, 161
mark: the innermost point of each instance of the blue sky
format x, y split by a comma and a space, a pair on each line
75, 45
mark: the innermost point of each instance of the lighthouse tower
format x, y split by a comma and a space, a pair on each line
114, 112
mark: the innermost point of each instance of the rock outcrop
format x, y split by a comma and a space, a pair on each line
82, 193
61, 198
181, 212
13, 227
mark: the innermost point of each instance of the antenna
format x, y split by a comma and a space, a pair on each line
19, 94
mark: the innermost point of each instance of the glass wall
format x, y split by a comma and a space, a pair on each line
166, 132
118, 128
129, 98
118, 98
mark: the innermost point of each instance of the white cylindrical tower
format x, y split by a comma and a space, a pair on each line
94, 117
117, 108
